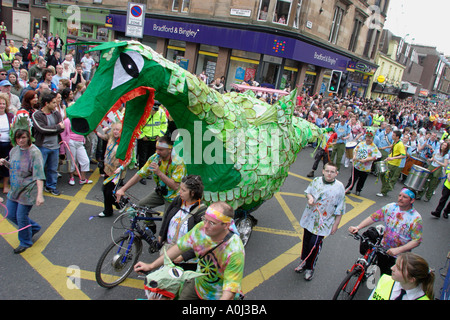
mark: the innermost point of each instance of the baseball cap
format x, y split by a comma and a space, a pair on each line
5, 83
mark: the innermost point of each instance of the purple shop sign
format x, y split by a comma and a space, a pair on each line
253, 41
320, 57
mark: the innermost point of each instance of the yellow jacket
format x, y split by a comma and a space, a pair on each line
156, 126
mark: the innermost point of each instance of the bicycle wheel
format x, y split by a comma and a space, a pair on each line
349, 286
117, 261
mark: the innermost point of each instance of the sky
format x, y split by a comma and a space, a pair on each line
425, 21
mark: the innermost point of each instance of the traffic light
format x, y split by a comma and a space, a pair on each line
335, 80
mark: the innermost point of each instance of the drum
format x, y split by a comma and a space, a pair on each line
349, 146
410, 161
381, 167
417, 177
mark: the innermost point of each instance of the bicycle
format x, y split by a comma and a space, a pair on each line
362, 269
117, 261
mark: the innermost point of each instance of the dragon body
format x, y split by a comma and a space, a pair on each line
240, 145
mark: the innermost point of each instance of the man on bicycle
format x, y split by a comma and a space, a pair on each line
403, 228
167, 170
220, 254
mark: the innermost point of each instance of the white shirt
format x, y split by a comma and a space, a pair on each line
412, 294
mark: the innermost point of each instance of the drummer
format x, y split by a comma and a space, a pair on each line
365, 153
384, 140
356, 133
439, 160
342, 130
388, 179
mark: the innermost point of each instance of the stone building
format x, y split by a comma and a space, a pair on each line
279, 43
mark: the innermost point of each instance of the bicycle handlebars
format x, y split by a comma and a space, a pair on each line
376, 246
126, 200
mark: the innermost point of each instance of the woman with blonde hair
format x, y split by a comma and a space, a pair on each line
411, 279
111, 167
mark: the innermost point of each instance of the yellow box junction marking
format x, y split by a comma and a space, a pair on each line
57, 276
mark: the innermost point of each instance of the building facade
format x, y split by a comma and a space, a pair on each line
387, 81
278, 43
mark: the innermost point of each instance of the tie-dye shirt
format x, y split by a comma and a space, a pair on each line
176, 172
363, 151
401, 226
25, 168
224, 266
330, 199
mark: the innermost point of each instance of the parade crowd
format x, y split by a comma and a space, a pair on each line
37, 83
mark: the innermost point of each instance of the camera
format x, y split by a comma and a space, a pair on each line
161, 190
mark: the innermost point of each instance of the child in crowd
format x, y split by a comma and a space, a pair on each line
112, 166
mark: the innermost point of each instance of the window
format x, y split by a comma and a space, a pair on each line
337, 19
355, 35
102, 34
263, 8
282, 11
184, 5
297, 15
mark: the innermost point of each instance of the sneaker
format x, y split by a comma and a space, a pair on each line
101, 215
72, 181
358, 193
86, 181
143, 181
54, 192
309, 274
380, 195
310, 175
445, 215
300, 268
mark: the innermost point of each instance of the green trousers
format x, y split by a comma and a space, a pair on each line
389, 178
432, 183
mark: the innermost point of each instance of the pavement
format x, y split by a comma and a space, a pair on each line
17, 41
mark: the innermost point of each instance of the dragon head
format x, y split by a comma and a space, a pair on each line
165, 282
127, 75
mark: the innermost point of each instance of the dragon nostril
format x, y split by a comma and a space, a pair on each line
80, 125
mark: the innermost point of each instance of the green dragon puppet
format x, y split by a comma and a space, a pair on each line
240, 145
166, 282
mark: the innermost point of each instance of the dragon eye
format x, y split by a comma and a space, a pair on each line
127, 67
175, 272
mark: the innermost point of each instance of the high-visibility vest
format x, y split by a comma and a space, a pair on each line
378, 119
155, 126
384, 288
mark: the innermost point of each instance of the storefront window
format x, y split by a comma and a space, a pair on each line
150, 41
282, 11
270, 71
263, 8
102, 34
242, 68
87, 30
310, 79
207, 61
289, 75
175, 53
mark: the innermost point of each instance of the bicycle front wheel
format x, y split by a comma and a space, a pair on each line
117, 261
349, 286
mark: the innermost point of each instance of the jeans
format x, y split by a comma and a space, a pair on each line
18, 214
51, 160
